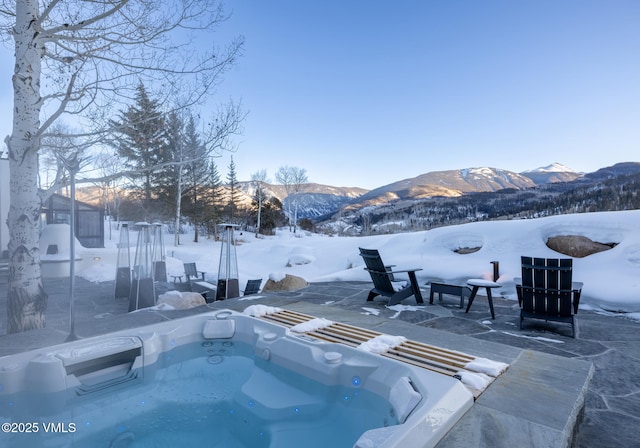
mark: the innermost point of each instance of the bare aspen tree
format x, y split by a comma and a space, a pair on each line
177, 144
293, 180
258, 180
284, 176
299, 177
79, 60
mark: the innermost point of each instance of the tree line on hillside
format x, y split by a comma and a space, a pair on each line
620, 193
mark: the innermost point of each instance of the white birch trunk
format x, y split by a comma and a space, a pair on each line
176, 231
295, 216
27, 300
259, 214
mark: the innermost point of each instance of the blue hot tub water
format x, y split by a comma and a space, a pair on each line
214, 394
220, 379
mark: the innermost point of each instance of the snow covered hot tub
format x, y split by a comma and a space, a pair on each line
221, 379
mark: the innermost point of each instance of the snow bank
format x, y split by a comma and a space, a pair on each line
611, 278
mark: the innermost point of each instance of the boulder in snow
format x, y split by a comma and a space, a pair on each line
576, 245
182, 300
288, 283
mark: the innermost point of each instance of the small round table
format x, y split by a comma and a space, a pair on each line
478, 283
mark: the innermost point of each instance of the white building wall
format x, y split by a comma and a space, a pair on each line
4, 204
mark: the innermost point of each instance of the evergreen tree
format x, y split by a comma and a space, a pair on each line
212, 199
141, 143
272, 216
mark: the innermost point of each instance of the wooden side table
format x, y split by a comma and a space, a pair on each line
477, 283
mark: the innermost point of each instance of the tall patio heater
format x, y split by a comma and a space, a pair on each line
123, 264
159, 257
143, 292
228, 268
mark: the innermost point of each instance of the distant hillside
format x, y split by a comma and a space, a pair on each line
445, 197
314, 201
452, 183
541, 178
608, 189
619, 169
311, 188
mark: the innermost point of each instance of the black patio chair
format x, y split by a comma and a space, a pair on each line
383, 276
253, 287
547, 291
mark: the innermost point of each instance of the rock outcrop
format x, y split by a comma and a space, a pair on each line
576, 246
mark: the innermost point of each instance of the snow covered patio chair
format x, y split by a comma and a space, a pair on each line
190, 270
197, 282
383, 278
547, 291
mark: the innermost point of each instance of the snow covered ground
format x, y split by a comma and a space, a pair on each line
611, 278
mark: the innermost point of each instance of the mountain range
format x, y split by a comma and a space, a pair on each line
453, 183
328, 204
440, 189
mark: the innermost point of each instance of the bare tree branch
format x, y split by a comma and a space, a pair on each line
83, 59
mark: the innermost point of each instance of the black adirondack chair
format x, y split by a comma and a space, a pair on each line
382, 277
547, 291
253, 287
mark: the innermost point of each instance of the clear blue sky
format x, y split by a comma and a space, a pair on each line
364, 93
